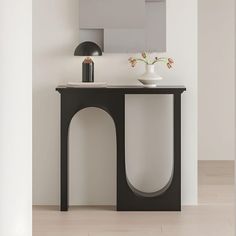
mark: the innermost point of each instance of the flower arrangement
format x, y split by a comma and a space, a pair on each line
146, 59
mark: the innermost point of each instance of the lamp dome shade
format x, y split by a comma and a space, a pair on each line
88, 49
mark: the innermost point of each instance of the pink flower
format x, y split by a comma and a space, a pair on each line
169, 65
132, 61
170, 60
144, 55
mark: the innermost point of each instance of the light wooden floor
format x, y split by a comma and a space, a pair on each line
214, 216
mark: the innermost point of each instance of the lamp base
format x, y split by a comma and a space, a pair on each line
88, 70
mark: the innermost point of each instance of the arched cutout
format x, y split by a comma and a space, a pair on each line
92, 160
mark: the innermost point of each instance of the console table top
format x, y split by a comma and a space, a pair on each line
134, 89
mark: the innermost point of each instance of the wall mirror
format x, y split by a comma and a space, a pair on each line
124, 26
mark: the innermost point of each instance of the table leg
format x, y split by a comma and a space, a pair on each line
64, 160
177, 148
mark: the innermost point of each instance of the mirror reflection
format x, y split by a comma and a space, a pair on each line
124, 26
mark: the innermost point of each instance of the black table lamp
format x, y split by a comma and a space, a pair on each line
88, 49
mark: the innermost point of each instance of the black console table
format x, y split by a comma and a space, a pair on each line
112, 100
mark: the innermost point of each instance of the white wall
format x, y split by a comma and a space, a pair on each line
54, 39
15, 118
235, 102
216, 79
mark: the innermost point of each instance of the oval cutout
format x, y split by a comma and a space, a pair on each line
149, 143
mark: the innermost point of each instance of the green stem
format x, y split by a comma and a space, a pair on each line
163, 58
160, 60
142, 61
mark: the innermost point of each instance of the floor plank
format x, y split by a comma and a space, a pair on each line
213, 216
